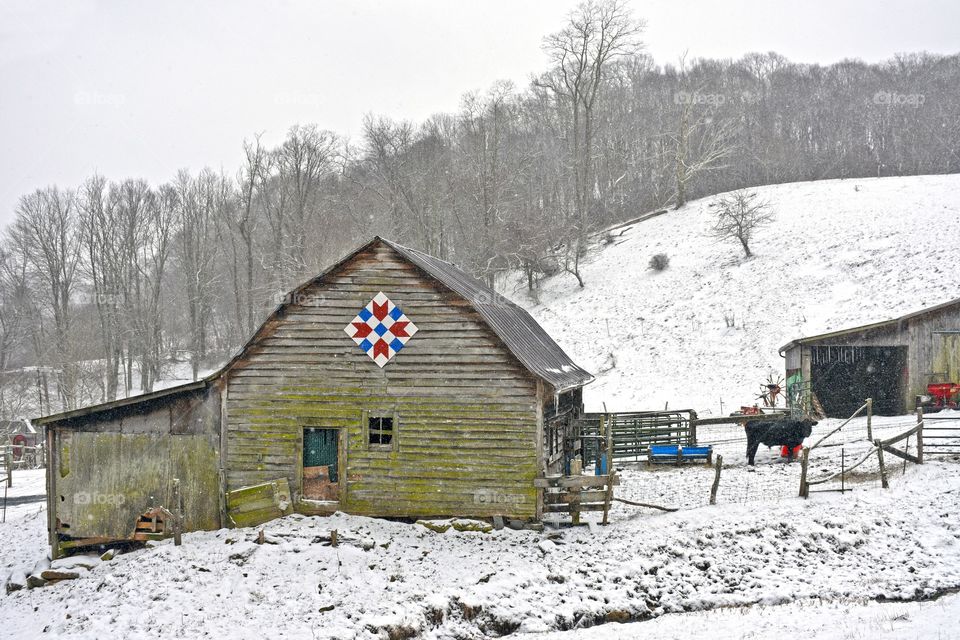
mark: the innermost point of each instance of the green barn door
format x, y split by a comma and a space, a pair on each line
321, 462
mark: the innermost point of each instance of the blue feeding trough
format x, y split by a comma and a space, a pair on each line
676, 454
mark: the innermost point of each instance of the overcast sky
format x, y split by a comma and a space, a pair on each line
142, 89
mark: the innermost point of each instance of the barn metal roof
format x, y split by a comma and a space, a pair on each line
522, 335
893, 323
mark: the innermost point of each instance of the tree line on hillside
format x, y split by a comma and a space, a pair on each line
103, 283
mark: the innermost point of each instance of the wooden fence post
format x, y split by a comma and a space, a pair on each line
610, 474
693, 427
870, 419
920, 434
883, 468
804, 460
177, 513
575, 505
716, 479
8, 463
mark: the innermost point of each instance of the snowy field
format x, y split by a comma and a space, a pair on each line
840, 253
865, 564
761, 561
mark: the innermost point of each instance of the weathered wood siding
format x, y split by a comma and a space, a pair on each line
467, 410
933, 348
110, 468
932, 351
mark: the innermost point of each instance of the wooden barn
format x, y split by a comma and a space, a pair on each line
891, 361
392, 384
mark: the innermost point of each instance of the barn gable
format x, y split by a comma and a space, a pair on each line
512, 324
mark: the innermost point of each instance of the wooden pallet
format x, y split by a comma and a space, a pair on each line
154, 524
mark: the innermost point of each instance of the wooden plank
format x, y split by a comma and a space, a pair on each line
569, 498
900, 454
566, 508
804, 463
254, 505
576, 481
611, 476
903, 436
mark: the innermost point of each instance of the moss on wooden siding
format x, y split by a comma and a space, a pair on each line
114, 477
467, 410
113, 467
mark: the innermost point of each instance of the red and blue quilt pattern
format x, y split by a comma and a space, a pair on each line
381, 329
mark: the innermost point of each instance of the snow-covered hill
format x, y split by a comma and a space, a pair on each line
840, 253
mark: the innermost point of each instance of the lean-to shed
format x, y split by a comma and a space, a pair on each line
890, 361
392, 384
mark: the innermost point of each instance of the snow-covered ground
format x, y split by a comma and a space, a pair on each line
810, 565
843, 620
840, 253
26, 496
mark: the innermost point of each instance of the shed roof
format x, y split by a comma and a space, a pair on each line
521, 334
123, 402
893, 323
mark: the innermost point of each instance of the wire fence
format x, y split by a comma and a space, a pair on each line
863, 451
692, 486
774, 478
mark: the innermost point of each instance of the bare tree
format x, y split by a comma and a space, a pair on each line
387, 150
701, 138
102, 237
46, 231
304, 158
153, 248
487, 124
596, 34
739, 215
699, 143
15, 323
242, 226
197, 202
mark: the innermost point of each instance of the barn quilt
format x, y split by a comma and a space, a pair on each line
381, 329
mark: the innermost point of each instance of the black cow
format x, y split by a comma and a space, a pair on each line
788, 433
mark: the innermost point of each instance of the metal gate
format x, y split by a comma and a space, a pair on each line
941, 434
634, 432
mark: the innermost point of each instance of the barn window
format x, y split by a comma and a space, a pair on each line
381, 430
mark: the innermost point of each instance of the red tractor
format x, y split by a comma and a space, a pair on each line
940, 396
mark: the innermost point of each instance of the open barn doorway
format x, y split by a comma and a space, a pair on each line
321, 464
843, 377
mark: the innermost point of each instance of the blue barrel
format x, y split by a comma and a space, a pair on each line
601, 468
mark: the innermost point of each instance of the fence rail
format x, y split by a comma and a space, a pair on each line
22, 455
939, 440
876, 447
